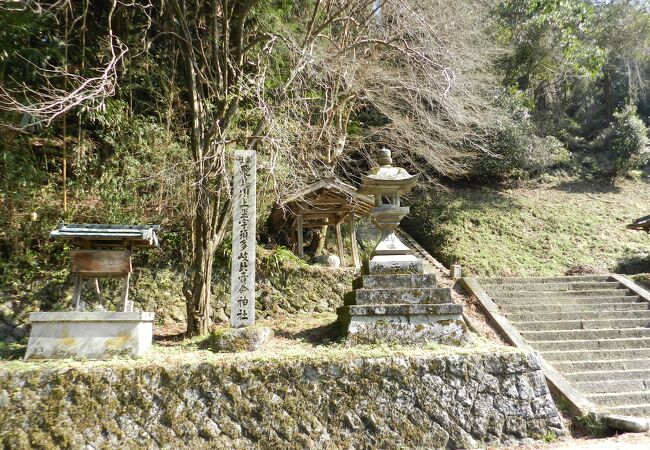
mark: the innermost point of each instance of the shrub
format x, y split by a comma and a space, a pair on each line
626, 140
519, 153
515, 149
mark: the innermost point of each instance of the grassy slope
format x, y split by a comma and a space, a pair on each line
541, 229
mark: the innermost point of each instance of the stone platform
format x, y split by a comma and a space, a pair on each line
402, 308
91, 335
292, 398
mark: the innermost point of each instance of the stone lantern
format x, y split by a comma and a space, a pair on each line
387, 183
393, 300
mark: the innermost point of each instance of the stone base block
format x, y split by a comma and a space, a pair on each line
394, 296
239, 339
91, 335
391, 327
395, 281
394, 264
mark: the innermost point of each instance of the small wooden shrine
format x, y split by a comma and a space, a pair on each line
93, 259
641, 224
325, 202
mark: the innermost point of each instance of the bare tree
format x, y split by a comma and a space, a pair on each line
245, 82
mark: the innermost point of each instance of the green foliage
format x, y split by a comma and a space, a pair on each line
626, 140
519, 153
135, 170
279, 259
550, 38
27, 41
515, 150
571, 65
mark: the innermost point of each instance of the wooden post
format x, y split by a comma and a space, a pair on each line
98, 291
301, 246
128, 306
339, 243
76, 293
353, 241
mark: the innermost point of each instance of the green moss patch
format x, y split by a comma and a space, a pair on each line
536, 229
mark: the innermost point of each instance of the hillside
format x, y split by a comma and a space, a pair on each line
536, 229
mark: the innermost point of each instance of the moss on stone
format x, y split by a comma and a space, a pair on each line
331, 397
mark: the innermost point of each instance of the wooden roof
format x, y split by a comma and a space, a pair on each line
642, 223
108, 235
325, 202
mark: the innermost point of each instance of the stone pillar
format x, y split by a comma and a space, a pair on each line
242, 280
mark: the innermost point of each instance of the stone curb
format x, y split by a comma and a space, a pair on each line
579, 404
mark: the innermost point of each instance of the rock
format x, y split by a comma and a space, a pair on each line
5, 329
627, 423
232, 340
327, 261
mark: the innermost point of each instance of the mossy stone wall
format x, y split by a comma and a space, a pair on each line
296, 289
410, 401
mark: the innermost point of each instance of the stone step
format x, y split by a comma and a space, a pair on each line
587, 293
640, 410
616, 364
586, 307
553, 287
595, 355
398, 295
581, 335
607, 375
557, 325
584, 315
620, 398
606, 299
395, 281
404, 310
612, 386
527, 280
591, 344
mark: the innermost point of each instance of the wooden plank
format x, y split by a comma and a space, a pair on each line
322, 215
353, 241
101, 263
301, 246
339, 243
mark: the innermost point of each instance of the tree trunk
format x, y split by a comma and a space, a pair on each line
607, 94
209, 228
199, 293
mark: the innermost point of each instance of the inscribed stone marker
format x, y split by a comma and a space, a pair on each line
242, 281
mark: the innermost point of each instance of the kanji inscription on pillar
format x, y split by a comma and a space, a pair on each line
242, 281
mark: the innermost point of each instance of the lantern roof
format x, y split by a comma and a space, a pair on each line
387, 179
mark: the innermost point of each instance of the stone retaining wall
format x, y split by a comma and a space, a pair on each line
294, 290
423, 400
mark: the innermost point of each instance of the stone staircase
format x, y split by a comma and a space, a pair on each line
592, 329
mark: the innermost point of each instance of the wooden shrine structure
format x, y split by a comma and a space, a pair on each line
642, 224
325, 202
94, 260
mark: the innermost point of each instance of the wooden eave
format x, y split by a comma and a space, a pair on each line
325, 202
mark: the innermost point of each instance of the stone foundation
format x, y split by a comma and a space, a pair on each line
309, 399
92, 335
407, 330
404, 308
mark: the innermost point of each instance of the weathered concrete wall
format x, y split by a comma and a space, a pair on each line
428, 400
